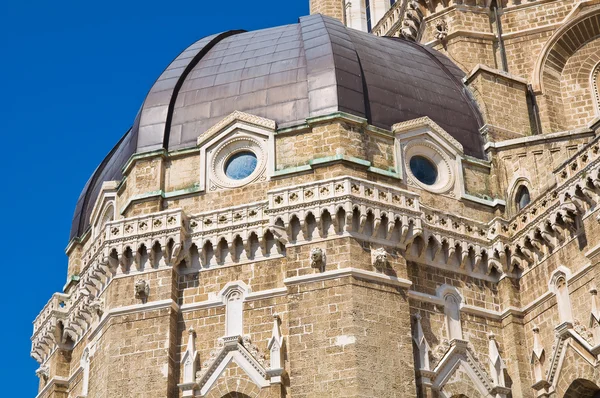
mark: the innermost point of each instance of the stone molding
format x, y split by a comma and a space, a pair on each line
566, 337
458, 353
574, 17
346, 272
232, 349
338, 207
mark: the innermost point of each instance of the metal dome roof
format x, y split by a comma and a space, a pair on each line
288, 74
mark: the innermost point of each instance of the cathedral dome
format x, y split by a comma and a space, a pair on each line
289, 74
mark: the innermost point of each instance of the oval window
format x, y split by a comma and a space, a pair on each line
423, 169
240, 165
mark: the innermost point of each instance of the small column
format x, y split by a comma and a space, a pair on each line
595, 316
537, 356
421, 343
190, 363
275, 347
496, 362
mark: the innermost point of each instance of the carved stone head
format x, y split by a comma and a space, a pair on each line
317, 258
380, 258
142, 289
43, 372
441, 29
97, 306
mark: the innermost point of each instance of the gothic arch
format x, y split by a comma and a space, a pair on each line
515, 186
555, 78
563, 43
582, 388
574, 373
107, 215
234, 387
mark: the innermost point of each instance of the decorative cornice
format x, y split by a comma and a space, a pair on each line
539, 139
426, 122
237, 116
345, 272
480, 68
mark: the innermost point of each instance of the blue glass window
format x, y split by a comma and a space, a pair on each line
240, 165
368, 10
423, 169
522, 197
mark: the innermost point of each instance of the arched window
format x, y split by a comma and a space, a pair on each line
452, 313
563, 300
522, 197
85, 364
595, 91
233, 313
107, 216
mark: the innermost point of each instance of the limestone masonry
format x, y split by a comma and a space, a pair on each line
386, 199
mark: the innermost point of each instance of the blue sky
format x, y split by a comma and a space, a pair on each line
74, 76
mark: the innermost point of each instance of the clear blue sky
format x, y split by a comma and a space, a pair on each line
74, 74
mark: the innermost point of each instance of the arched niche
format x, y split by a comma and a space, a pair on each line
582, 388
555, 81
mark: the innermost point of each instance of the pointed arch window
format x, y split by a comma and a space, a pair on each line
85, 365
452, 313
234, 312
522, 198
563, 300
107, 216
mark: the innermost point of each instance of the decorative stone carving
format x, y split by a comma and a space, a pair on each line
254, 351
214, 353
412, 20
85, 365
499, 244
190, 363
380, 258
275, 347
43, 372
234, 312
441, 29
559, 285
421, 344
452, 303
97, 306
594, 324
582, 331
438, 353
496, 363
142, 289
537, 356
317, 258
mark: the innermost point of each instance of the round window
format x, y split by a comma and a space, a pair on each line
423, 169
240, 165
